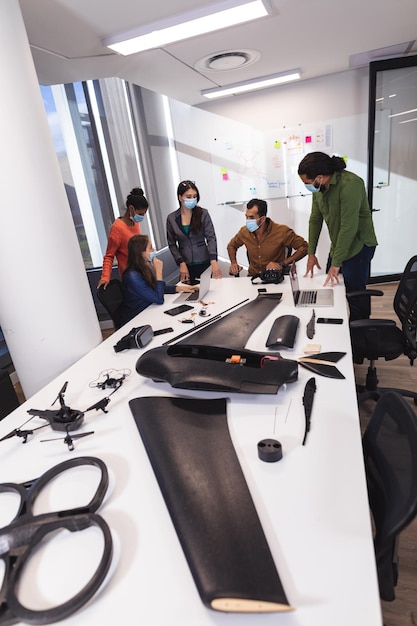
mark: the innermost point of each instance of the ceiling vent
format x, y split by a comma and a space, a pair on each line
227, 60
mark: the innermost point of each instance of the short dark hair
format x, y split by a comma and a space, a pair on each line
260, 204
319, 163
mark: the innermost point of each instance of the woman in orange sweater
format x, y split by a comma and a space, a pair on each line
120, 233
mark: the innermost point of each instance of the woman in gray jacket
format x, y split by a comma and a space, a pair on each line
190, 234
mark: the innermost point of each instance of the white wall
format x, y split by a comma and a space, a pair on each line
340, 99
338, 95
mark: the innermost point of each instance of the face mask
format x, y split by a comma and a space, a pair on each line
137, 218
190, 204
311, 187
152, 255
252, 225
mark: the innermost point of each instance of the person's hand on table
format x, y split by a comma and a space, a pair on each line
235, 268
215, 270
187, 288
184, 273
312, 262
332, 276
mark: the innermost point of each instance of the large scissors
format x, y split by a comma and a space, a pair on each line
21, 537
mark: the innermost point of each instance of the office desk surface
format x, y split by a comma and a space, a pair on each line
312, 504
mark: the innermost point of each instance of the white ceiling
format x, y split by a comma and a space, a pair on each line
317, 36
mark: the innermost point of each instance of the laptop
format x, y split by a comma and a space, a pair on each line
306, 297
195, 296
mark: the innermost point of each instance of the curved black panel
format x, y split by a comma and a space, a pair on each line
234, 330
191, 452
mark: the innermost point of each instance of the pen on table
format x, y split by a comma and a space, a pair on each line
308, 397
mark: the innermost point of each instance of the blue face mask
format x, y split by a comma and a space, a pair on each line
190, 204
311, 187
137, 218
252, 225
152, 256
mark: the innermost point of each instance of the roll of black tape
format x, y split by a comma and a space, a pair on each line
269, 450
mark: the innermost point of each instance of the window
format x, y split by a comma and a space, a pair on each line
111, 136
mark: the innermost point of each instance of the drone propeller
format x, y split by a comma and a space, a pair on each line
69, 439
24, 434
100, 405
61, 393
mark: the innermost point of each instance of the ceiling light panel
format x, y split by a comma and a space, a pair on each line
251, 85
193, 23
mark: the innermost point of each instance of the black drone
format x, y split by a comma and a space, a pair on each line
65, 419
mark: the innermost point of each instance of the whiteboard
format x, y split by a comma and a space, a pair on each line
264, 164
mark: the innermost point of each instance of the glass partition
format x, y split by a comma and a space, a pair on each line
392, 167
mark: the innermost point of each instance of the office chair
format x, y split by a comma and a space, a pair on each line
112, 299
8, 396
390, 456
381, 338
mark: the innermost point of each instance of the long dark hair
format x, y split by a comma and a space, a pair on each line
136, 261
318, 163
137, 199
197, 214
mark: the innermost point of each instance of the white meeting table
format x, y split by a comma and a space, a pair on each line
312, 504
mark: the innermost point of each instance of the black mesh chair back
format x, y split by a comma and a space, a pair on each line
390, 455
405, 306
374, 339
112, 299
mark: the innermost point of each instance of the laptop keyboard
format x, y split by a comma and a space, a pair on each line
308, 297
192, 297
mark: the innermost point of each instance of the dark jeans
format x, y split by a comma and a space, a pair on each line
196, 270
356, 271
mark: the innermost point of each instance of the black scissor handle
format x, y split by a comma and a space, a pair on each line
73, 523
29, 491
55, 471
21, 537
21, 491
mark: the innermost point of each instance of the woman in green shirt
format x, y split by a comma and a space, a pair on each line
342, 203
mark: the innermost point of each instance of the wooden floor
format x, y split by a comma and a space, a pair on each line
403, 610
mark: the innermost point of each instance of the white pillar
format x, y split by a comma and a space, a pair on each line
46, 310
